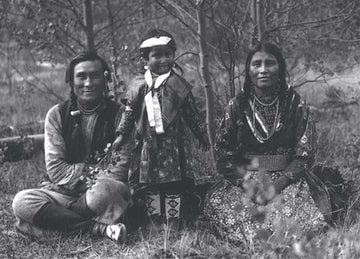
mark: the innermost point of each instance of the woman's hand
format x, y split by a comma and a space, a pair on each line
263, 196
264, 193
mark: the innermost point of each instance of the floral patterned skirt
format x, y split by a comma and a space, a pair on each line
237, 218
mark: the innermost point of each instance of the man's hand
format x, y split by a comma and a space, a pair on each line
90, 175
118, 143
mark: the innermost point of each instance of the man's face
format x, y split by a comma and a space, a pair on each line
161, 59
89, 82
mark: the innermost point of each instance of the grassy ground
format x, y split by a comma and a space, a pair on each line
338, 147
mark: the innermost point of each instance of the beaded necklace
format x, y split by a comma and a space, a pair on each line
265, 104
89, 111
273, 126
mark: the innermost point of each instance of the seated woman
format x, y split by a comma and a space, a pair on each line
266, 146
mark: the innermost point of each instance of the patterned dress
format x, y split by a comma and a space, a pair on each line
280, 134
162, 158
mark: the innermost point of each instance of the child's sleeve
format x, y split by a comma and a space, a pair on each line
126, 123
118, 169
228, 146
132, 103
191, 116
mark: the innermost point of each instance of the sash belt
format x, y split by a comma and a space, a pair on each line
269, 162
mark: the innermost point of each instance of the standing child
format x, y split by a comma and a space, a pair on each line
158, 106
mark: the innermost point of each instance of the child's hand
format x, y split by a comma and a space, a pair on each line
118, 142
204, 144
204, 147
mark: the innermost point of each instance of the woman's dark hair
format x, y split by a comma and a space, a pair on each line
276, 52
156, 33
81, 57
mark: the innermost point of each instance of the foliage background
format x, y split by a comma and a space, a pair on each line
320, 40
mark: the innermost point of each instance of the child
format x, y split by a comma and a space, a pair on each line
158, 106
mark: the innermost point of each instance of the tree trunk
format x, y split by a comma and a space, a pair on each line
260, 19
254, 23
88, 21
231, 70
9, 81
112, 39
115, 87
20, 147
205, 74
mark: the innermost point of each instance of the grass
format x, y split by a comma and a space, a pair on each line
338, 147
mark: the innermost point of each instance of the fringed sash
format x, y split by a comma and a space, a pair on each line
152, 103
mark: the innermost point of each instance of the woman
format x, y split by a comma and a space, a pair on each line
265, 146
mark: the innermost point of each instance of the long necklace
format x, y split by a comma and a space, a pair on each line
272, 131
266, 104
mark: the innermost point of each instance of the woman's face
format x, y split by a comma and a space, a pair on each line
264, 73
161, 59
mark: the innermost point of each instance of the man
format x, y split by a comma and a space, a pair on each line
76, 132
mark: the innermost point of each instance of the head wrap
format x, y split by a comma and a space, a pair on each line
155, 41
155, 38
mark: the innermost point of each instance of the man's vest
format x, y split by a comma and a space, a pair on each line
104, 131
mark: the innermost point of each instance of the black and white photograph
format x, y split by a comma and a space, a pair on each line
180, 129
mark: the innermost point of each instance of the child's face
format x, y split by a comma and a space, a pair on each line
161, 59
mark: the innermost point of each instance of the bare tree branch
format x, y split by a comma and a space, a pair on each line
180, 9
316, 79
59, 4
49, 91
187, 53
195, 33
77, 15
317, 23
68, 34
121, 19
68, 49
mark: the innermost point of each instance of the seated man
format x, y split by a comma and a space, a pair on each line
76, 131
